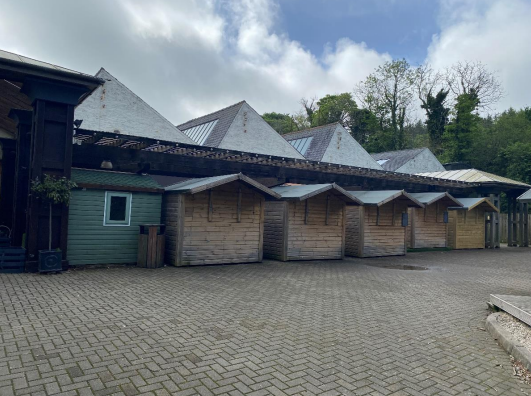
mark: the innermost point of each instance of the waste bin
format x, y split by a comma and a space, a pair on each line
151, 246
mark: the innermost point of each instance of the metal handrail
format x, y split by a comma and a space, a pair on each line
8, 230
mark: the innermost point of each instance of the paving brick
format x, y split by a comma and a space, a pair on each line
346, 327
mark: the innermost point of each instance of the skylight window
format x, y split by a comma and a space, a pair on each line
383, 161
301, 145
200, 133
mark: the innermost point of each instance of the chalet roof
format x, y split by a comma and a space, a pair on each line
114, 108
209, 130
317, 140
301, 192
196, 185
379, 198
472, 203
392, 160
85, 177
525, 197
428, 198
474, 176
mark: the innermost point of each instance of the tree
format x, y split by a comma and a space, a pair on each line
437, 118
282, 123
460, 132
53, 191
388, 93
474, 78
334, 108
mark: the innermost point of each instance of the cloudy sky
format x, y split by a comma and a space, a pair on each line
190, 57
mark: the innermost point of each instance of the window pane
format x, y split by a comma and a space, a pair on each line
118, 208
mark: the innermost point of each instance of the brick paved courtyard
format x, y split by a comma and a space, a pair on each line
326, 328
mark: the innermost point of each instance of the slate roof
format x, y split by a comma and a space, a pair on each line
525, 197
473, 176
111, 178
301, 192
396, 159
428, 198
196, 185
471, 203
379, 198
321, 137
224, 118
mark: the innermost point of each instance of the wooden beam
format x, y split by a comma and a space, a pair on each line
327, 209
239, 205
306, 211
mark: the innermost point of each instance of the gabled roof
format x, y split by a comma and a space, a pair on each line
472, 203
473, 176
194, 186
525, 197
318, 138
392, 160
428, 198
215, 124
379, 198
89, 177
114, 108
301, 192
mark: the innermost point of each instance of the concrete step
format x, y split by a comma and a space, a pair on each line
518, 306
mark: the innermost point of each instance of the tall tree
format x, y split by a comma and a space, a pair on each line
459, 134
388, 93
436, 118
282, 123
334, 108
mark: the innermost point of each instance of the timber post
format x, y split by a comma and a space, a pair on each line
21, 192
50, 153
7, 178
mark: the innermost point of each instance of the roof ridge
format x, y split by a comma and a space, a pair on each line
214, 112
142, 100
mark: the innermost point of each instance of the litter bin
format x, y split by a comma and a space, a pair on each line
151, 246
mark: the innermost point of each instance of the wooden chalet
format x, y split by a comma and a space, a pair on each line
466, 223
307, 223
378, 227
427, 226
214, 220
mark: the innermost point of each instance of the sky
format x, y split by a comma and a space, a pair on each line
187, 58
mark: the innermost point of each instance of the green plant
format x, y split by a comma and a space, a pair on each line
52, 191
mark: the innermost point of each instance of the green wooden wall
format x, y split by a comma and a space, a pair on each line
90, 242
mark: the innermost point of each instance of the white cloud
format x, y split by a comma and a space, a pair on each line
187, 57
495, 32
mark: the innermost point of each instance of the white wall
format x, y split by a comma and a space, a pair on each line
425, 161
250, 133
345, 150
113, 107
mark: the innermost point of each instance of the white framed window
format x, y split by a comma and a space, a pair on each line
117, 209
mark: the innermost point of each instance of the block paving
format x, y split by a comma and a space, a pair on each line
348, 327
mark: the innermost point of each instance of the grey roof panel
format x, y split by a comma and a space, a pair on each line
471, 203
427, 198
193, 186
301, 192
525, 197
383, 196
321, 137
473, 176
396, 159
224, 118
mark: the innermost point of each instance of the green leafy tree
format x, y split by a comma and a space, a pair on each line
334, 108
282, 123
436, 118
515, 161
459, 134
52, 191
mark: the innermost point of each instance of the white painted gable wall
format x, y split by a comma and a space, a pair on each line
425, 161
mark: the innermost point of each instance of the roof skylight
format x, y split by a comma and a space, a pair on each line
301, 145
200, 133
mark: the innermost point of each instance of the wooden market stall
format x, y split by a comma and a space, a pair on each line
214, 220
307, 223
378, 227
466, 223
427, 226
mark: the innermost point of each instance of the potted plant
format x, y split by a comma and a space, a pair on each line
52, 191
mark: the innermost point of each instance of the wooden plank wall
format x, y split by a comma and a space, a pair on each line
466, 229
90, 242
354, 231
275, 230
217, 237
426, 228
315, 240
